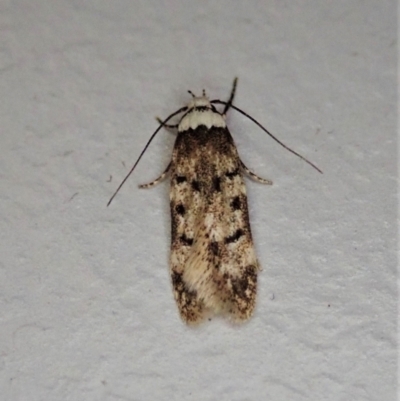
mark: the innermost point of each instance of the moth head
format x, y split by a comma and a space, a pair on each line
202, 101
199, 101
200, 111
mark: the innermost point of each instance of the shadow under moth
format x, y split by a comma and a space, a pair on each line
213, 263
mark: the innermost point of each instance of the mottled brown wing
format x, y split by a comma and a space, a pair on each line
213, 262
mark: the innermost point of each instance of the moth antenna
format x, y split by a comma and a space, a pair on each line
169, 126
265, 130
228, 104
144, 150
191, 93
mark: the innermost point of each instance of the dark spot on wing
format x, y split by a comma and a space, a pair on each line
177, 280
180, 209
234, 237
180, 179
214, 248
239, 287
217, 184
236, 204
231, 174
186, 241
196, 186
247, 280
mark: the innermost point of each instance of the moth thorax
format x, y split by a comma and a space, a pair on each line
201, 113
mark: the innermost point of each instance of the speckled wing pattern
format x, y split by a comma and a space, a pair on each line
213, 262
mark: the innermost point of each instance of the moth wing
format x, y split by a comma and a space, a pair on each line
213, 262
222, 265
186, 203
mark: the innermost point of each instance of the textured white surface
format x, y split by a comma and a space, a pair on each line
87, 311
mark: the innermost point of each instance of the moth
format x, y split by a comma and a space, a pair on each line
213, 262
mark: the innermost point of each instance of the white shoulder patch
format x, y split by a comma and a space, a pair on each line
205, 116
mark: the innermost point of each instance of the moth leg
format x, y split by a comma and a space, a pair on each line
157, 180
253, 176
168, 126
